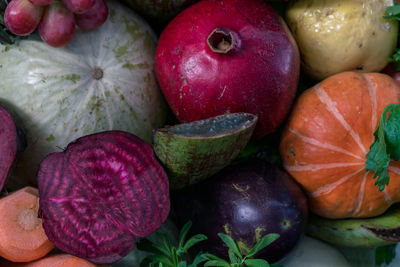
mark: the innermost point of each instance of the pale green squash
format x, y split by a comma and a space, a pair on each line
102, 80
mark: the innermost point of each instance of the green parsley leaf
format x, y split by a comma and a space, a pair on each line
393, 12
151, 247
193, 241
183, 233
396, 56
217, 263
256, 263
198, 259
231, 244
392, 134
164, 252
262, 243
387, 143
233, 258
160, 259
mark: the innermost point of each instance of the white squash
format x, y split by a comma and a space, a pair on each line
310, 252
102, 80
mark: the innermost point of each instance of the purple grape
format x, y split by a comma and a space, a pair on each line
57, 26
22, 17
41, 2
94, 17
79, 6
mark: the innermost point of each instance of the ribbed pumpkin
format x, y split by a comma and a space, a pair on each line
325, 143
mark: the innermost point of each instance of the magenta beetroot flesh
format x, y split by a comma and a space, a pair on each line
8, 144
228, 56
101, 193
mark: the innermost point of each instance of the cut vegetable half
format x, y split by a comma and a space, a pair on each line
102, 191
192, 152
22, 238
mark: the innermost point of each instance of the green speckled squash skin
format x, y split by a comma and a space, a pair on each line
161, 10
192, 152
102, 80
376, 231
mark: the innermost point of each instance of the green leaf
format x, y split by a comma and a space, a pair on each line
396, 56
174, 256
377, 158
211, 257
193, 241
385, 255
183, 233
233, 257
262, 243
275, 265
231, 244
392, 12
166, 243
217, 263
148, 246
378, 161
392, 134
197, 260
158, 259
256, 263
182, 264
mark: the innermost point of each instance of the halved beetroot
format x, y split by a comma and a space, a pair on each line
10, 143
100, 193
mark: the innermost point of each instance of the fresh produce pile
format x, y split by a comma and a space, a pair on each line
185, 133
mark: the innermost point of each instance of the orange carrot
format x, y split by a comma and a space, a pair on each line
22, 238
55, 260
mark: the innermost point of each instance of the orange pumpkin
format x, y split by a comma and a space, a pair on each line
325, 143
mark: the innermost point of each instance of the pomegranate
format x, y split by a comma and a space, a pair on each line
228, 56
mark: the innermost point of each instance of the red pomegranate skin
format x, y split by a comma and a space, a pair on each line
258, 75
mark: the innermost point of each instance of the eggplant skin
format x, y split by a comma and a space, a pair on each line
246, 201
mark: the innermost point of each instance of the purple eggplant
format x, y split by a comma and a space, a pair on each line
246, 201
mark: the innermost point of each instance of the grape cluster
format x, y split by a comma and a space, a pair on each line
54, 19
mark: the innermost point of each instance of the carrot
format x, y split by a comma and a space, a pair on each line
55, 260
22, 238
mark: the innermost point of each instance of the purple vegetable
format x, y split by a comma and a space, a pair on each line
246, 201
11, 142
100, 193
